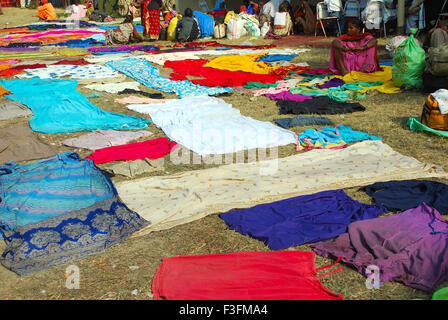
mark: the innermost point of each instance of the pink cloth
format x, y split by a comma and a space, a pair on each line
363, 61
286, 95
49, 34
282, 86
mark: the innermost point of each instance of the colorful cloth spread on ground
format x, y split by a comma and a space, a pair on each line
277, 57
285, 275
10, 110
215, 77
196, 194
89, 71
114, 87
318, 105
408, 194
250, 51
415, 125
282, 86
124, 49
409, 247
286, 95
175, 56
49, 188
342, 93
133, 168
69, 110
47, 37
140, 100
104, 138
69, 237
304, 219
209, 125
302, 121
151, 149
19, 143
142, 71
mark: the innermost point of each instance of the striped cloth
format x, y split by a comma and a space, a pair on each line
49, 188
8, 3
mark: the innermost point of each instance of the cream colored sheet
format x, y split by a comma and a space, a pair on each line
168, 201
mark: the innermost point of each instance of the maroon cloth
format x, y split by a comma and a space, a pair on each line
319, 71
410, 247
214, 77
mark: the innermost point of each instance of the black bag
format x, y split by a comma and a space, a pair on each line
163, 34
433, 83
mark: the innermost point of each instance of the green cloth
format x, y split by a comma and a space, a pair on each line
416, 125
441, 294
252, 85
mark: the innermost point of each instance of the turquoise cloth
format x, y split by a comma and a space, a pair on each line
58, 107
48, 188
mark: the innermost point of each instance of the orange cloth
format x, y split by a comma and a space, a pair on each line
46, 12
3, 91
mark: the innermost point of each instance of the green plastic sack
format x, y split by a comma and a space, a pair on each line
408, 63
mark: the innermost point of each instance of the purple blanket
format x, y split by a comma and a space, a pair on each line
299, 220
410, 247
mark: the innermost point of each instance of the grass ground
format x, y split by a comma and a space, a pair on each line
113, 274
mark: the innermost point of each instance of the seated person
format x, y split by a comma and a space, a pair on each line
305, 17
134, 8
439, 35
124, 34
267, 13
46, 11
78, 10
282, 21
249, 7
220, 5
187, 27
354, 51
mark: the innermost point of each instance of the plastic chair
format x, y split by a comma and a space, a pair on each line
352, 9
375, 16
322, 14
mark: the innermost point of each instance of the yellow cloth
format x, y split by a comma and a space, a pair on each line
5, 66
229, 16
243, 62
46, 12
171, 32
384, 76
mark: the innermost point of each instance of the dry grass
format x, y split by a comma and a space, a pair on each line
108, 276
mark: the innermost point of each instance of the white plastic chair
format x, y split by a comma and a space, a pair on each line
322, 14
374, 16
352, 9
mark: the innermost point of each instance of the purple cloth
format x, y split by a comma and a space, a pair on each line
335, 82
410, 247
299, 220
286, 95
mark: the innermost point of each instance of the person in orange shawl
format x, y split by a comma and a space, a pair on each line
46, 11
354, 51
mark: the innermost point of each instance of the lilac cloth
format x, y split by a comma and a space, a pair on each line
335, 82
302, 219
286, 95
410, 247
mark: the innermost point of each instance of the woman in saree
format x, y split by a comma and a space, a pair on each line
124, 34
354, 51
46, 11
151, 19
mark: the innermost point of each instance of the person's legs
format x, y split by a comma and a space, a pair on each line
338, 58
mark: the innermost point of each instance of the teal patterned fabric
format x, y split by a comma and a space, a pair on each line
142, 71
69, 237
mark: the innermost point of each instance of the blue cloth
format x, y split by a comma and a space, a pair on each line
142, 71
350, 135
217, 6
278, 57
58, 107
48, 188
386, 63
206, 24
302, 121
299, 220
408, 194
69, 237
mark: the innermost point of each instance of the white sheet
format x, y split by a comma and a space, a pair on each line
441, 96
208, 125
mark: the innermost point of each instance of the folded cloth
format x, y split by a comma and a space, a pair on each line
302, 121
